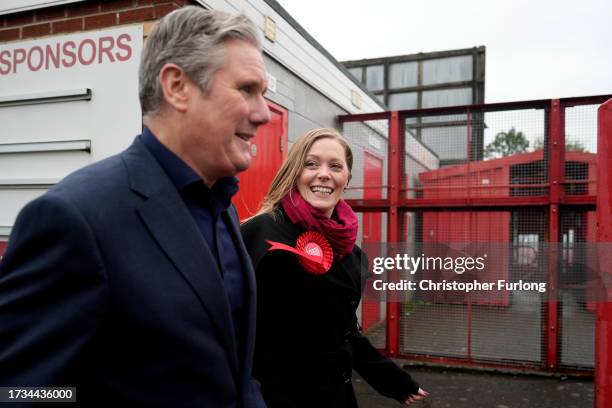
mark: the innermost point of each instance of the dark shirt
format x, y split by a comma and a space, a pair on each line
206, 206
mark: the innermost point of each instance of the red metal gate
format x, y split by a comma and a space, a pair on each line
539, 199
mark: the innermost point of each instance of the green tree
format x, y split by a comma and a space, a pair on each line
507, 144
570, 145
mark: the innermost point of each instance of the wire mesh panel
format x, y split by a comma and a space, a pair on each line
476, 154
430, 326
493, 326
432, 329
577, 283
369, 143
372, 312
581, 150
511, 331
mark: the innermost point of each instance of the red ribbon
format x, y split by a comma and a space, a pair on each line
312, 249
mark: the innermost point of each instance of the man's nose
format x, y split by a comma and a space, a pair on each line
261, 113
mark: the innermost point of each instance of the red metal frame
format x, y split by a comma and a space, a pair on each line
396, 204
394, 220
603, 327
556, 162
522, 367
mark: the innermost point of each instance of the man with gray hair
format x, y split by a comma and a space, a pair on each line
129, 279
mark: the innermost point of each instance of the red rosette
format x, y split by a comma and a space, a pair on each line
315, 245
314, 252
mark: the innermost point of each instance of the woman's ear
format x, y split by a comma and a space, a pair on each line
348, 181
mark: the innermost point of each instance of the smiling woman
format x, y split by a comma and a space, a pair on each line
309, 273
310, 158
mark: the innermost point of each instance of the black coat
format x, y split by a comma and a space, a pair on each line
308, 339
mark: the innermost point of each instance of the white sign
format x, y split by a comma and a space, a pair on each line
271, 82
65, 102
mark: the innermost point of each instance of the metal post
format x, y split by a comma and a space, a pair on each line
393, 223
556, 170
603, 325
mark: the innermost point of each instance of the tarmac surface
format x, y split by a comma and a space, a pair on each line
464, 388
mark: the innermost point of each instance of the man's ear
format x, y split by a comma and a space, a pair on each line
175, 85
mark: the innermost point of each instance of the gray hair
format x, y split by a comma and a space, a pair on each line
192, 38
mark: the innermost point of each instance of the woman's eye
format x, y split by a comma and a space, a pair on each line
310, 164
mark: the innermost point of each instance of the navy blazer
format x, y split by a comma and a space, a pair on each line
108, 285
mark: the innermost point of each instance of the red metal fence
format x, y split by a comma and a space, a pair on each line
603, 331
521, 174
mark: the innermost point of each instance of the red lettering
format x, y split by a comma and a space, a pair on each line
6, 62
41, 59
69, 53
105, 49
19, 56
123, 44
81, 52
55, 58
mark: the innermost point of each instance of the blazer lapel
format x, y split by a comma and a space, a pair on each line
168, 220
231, 219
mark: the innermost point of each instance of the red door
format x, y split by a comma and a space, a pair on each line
267, 154
371, 231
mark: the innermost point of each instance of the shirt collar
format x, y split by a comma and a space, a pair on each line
183, 176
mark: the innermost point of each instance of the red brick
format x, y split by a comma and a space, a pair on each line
163, 9
17, 19
116, 5
9, 35
136, 15
100, 20
83, 9
36, 30
52, 13
67, 26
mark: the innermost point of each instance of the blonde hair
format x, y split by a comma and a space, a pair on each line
290, 171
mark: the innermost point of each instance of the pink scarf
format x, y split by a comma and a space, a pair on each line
340, 230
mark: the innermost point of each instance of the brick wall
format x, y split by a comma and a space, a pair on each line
89, 15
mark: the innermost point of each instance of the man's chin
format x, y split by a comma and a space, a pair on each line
243, 166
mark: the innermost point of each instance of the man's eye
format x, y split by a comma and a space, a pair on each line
247, 90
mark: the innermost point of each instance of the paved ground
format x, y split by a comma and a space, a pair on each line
456, 388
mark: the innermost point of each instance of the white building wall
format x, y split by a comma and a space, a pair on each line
299, 56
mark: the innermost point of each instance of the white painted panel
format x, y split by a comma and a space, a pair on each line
111, 119
16, 6
299, 56
36, 165
12, 202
